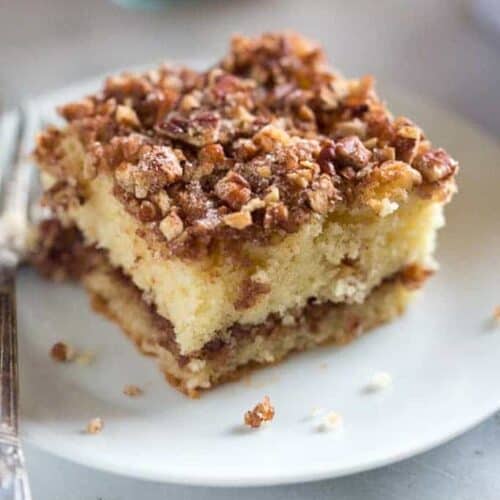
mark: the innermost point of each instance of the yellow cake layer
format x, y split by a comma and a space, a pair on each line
118, 299
340, 258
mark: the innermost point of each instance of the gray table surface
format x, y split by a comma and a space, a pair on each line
433, 48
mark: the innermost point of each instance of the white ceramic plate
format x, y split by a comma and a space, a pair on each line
443, 356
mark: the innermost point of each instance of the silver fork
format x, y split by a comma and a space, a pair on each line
16, 175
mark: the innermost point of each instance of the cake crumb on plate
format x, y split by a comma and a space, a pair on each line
132, 390
379, 382
95, 426
317, 411
262, 412
331, 421
85, 358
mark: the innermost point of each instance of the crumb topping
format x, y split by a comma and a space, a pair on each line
262, 412
250, 148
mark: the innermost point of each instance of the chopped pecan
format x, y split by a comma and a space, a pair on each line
325, 184
238, 220
162, 201
254, 204
163, 160
126, 148
306, 113
233, 189
276, 215
171, 226
386, 153
328, 98
212, 155
189, 102
271, 136
371, 143
350, 151
78, 109
244, 149
298, 180
127, 85
272, 195
435, 165
351, 127
318, 201
264, 171
200, 129
320, 197
125, 115
389, 182
407, 141
326, 158
158, 167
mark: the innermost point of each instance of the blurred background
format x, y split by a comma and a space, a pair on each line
446, 50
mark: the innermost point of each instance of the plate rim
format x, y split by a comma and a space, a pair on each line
222, 480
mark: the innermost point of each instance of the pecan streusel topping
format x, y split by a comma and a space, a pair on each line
252, 148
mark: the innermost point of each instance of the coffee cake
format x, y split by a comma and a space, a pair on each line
228, 217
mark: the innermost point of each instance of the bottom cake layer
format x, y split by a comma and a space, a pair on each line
115, 296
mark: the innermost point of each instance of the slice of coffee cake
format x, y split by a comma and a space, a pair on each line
260, 207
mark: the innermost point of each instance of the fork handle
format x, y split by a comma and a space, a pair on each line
13, 478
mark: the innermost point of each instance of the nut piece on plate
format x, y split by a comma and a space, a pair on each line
262, 412
62, 352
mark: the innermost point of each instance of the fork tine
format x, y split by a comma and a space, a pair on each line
11, 135
19, 184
